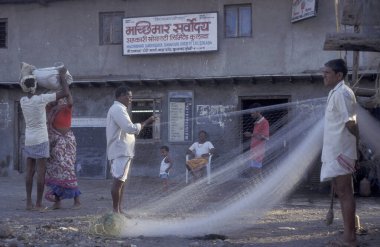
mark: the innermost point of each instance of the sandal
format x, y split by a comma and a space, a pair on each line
361, 231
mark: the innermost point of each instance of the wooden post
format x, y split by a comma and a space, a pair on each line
355, 62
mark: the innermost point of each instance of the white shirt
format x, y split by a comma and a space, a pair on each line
340, 109
200, 149
34, 110
120, 132
164, 166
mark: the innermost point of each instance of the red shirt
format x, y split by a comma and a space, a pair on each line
62, 119
258, 144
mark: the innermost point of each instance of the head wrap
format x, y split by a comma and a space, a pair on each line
27, 73
28, 89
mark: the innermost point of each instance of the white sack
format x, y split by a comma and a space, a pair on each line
49, 77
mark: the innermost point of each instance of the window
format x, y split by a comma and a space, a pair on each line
238, 21
111, 28
3, 33
142, 109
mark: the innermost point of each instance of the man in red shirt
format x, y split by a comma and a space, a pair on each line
259, 136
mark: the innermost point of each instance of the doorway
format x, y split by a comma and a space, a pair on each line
273, 115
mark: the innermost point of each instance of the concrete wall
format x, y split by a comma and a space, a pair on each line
68, 31
93, 102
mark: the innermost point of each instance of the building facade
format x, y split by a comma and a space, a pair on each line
254, 52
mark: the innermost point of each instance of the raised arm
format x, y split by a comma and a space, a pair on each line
70, 98
65, 92
148, 121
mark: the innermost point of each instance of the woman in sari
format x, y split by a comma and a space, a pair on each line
61, 178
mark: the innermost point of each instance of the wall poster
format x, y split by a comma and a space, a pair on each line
302, 9
180, 116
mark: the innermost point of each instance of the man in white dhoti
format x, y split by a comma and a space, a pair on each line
340, 141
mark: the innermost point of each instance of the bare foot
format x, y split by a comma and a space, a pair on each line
40, 208
76, 206
29, 206
341, 243
56, 205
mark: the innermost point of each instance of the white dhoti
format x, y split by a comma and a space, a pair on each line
120, 168
343, 165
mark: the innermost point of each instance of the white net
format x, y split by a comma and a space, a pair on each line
201, 208
233, 201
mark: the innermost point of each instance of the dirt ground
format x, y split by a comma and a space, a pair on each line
297, 221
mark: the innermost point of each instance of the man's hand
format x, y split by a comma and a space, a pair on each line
150, 120
353, 128
62, 71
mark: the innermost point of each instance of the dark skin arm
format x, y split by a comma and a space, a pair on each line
189, 152
150, 120
354, 130
169, 160
65, 92
211, 152
70, 99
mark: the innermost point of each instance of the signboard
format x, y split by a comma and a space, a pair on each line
170, 34
180, 116
302, 9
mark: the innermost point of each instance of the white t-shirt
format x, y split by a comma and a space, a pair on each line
34, 110
201, 148
340, 109
164, 166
